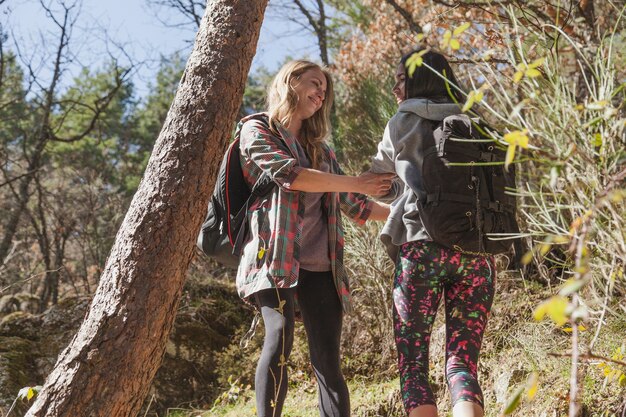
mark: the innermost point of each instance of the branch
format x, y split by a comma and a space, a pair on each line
101, 105
191, 10
406, 15
5, 262
588, 356
18, 177
25, 280
479, 61
307, 14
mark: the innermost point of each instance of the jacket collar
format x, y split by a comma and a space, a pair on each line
429, 109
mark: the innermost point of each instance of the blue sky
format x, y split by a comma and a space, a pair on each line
131, 24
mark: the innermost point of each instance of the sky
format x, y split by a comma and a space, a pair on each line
131, 25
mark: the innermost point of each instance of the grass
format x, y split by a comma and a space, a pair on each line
368, 398
514, 347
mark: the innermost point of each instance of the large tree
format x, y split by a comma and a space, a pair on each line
107, 368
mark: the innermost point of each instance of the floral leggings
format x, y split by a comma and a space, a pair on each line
424, 272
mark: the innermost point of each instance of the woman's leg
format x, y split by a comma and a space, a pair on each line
271, 373
416, 294
322, 316
469, 296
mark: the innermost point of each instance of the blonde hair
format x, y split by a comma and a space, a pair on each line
282, 101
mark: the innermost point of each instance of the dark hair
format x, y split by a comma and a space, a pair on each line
425, 83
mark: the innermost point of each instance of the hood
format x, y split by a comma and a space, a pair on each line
429, 109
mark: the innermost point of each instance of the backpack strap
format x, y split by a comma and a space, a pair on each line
481, 156
261, 188
438, 196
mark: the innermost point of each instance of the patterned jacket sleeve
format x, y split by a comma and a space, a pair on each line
269, 153
356, 206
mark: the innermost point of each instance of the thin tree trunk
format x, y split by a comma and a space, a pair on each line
23, 196
109, 365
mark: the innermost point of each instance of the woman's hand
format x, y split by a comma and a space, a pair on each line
374, 184
380, 211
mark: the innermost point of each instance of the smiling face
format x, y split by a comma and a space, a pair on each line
398, 88
311, 90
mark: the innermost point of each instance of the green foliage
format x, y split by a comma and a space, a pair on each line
361, 117
14, 112
26, 394
255, 92
15, 118
100, 153
371, 323
235, 393
348, 15
148, 117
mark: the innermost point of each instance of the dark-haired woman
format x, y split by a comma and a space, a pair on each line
426, 271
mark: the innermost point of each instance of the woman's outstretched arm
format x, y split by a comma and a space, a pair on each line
311, 180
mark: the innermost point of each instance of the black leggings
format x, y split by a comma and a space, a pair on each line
322, 317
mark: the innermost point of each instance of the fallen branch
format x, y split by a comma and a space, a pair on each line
588, 356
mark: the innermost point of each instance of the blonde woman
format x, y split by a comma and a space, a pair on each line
293, 258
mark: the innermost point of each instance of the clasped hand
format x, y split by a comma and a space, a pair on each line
375, 184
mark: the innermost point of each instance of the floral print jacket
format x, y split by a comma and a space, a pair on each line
270, 257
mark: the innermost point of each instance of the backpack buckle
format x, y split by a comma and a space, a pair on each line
495, 206
488, 157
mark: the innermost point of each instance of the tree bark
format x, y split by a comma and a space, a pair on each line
109, 365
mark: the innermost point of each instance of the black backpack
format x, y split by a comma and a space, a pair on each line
464, 202
226, 225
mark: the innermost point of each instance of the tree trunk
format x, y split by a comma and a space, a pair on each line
109, 365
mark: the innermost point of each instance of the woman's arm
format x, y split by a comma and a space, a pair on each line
265, 150
311, 180
380, 211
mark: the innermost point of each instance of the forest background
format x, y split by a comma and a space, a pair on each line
549, 75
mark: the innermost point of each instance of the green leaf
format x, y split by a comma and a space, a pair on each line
598, 105
532, 73
414, 61
23, 393
468, 104
571, 286
533, 385
461, 28
527, 258
510, 154
597, 140
513, 401
555, 307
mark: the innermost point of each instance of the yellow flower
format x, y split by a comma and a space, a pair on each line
515, 139
528, 70
450, 38
474, 96
598, 105
555, 308
458, 31
414, 61
533, 385
581, 328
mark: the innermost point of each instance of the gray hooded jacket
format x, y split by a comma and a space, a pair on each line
397, 153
